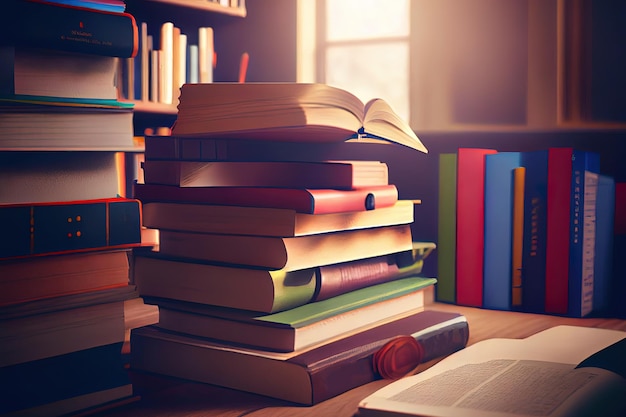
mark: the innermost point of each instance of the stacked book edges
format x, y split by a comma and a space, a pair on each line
282, 268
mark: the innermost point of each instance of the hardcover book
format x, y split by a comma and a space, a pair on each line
261, 221
69, 226
306, 377
446, 229
287, 112
302, 200
306, 325
293, 253
470, 221
339, 174
41, 24
266, 290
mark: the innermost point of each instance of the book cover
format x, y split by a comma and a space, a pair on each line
69, 226
266, 291
498, 252
67, 28
470, 221
304, 377
262, 221
35, 177
299, 327
34, 278
302, 200
339, 175
584, 186
41, 72
517, 250
603, 249
65, 383
535, 227
298, 252
302, 112
446, 232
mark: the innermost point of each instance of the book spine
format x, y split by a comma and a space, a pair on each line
519, 177
470, 220
534, 245
603, 256
584, 189
330, 381
558, 231
446, 244
47, 228
67, 28
497, 278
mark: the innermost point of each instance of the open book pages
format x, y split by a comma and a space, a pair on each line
300, 112
536, 376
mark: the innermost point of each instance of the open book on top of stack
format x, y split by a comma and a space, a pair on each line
264, 268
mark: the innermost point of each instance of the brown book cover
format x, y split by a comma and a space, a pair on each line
305, 377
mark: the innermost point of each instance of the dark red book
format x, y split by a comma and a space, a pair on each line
312, 201
305, 377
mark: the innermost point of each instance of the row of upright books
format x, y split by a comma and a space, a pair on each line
66, 232
279, 271
529, 231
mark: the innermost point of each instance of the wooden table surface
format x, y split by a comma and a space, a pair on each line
161, 396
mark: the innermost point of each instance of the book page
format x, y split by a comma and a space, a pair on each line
503, 388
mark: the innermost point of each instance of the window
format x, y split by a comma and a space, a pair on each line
362, 46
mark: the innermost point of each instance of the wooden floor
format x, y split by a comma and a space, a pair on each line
161, 397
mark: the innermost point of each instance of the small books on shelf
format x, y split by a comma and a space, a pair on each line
562, 371
287, 111
307, 376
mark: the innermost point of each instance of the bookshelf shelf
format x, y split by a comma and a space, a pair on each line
208, 5
145, 106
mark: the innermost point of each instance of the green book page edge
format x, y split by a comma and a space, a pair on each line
446, 245
314, 312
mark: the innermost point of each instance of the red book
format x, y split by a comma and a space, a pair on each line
312, 201
305, 377
470, 222
558, 229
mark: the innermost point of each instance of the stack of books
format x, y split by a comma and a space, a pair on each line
279, 271
66, 233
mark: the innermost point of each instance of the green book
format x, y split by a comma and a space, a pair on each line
446, 245
303, 326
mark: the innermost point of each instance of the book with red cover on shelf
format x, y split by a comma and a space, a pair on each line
298, 252
302, 200
306, 377
323, 174
42, 24
470, 220
306, 325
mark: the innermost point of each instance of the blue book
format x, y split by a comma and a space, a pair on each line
497, 273
535, 225
603, 254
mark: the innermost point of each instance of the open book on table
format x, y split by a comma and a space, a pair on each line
298, 112
562, 371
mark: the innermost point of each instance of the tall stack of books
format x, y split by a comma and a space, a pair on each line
282, 271
66, 233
